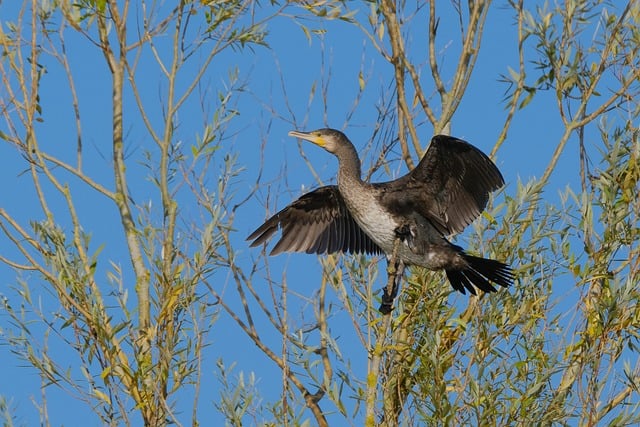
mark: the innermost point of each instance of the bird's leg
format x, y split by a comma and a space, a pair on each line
395, 271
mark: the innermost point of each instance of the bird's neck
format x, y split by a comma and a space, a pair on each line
349, 172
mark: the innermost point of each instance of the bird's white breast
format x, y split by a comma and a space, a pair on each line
379, 225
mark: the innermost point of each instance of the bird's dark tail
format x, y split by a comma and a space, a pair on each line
480, 272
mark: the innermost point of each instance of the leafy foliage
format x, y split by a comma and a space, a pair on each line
135, 337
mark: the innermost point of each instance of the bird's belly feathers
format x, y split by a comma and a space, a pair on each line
381, 226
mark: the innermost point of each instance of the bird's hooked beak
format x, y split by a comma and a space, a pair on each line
309, 136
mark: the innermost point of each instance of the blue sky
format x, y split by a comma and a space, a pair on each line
344, 53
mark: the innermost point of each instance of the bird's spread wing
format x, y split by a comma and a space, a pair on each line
318, 222
450, 186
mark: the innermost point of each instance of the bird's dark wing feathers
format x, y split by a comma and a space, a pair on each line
450, 186
318, 222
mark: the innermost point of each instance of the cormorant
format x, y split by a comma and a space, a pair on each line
447, 190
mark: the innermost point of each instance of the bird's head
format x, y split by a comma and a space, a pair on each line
330, 139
